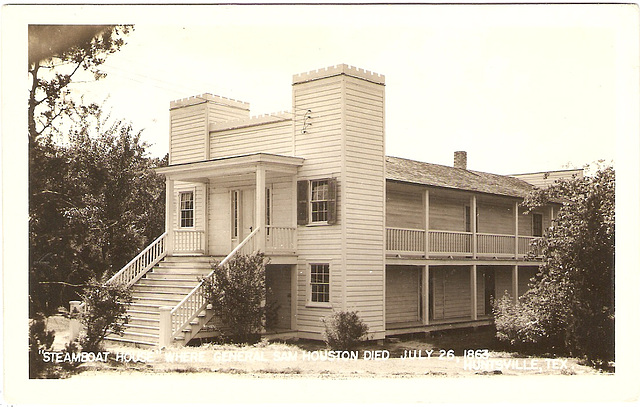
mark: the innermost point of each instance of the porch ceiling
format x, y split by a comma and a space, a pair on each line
242, 164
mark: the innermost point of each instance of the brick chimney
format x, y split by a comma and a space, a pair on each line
460, 159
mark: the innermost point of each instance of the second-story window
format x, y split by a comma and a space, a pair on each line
186, 209
317, 202
537, 224
467, 219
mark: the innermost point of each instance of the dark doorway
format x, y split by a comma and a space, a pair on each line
489, 290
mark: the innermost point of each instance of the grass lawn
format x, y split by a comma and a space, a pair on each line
441, 354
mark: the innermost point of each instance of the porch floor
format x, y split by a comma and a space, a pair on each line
399, 328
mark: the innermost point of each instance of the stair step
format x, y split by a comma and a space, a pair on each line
130, 328
171, 288
157, 301
137, 320
160, 294
116, 338
178, 280
140, 336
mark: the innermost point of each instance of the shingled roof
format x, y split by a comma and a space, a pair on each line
416, 172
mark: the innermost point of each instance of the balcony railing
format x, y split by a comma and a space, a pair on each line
188, 241
450, 243
281, 239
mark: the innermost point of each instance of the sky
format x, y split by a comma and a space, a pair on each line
520, 88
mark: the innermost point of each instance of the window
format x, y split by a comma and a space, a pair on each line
537, 224
268, 198
317, 201
319, 283
186, 209
235, 214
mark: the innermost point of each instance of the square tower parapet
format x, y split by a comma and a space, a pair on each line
341, 69
208, 97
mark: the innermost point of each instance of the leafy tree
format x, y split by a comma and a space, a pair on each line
57, 53
105, 312
344, 330
237, 292
571, 303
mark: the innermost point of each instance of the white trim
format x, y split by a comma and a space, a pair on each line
314, 304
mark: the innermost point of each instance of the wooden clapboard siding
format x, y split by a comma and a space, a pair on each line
447, 213
451, 292
364, 199
525, 221
321, 147
405, 207
495, 217
188, 127
480, 293
198, 197
222, 112
281, 202
503, 281
402, 294
272, 137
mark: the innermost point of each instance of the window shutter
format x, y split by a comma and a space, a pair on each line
332, 207
303, 202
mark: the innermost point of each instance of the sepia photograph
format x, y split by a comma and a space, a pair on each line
306, 203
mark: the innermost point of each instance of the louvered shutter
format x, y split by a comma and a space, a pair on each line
332, 204
303, 202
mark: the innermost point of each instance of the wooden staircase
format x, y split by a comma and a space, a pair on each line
165, 286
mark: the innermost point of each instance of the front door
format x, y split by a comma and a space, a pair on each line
248, 212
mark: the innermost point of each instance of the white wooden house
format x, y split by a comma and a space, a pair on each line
411, 246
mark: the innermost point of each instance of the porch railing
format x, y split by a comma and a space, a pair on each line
496, 244
449, 243
188, 241
195, 302
142, 263
405, 240
444, 242
281, 238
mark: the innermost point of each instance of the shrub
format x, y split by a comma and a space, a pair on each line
237, 292
40, 339
105, 312
344, 330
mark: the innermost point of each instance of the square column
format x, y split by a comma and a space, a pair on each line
474, 292
514, 283
424, 295
169, 216
260, 207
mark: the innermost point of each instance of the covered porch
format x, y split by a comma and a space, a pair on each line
213, 205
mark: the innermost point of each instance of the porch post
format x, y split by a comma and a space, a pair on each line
514, 283
474, 292
474, 224
426, 224
260, 207
425, 294
515, 216
205, 188
168, 221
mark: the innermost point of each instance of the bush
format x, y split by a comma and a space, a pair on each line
344, 330
105, 312
40, 339
237, 292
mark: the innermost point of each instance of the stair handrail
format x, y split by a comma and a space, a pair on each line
195, 300
142, 263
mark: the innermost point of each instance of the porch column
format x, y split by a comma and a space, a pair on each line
514, 283
260, 207
205, 208
474, 292
169, 215
516, 208
425, 295
474, 228
426, 224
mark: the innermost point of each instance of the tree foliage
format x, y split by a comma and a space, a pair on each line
344, 330
105, 312
237, 293
94, 204
571, 303
57, 53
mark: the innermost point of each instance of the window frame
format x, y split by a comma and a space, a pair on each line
310, 285
235, 226
534, 216
325, 201
181, 193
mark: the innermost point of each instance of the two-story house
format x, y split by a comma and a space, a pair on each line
411, 246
